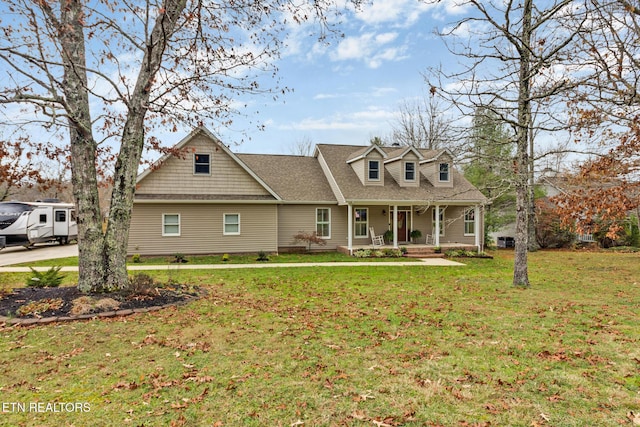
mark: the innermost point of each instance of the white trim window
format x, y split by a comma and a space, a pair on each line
444, 172
323, 222
374, 170
231, 226
201, 164
361, 222
170, 224
470, 222
410, 171
433, 221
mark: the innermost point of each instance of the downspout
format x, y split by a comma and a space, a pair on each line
350, 228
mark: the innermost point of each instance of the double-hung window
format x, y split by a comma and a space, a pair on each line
170, 224
323, 222
231, 224
444, 172
409, 171
361, 222
201, 164
374, 170
470, 222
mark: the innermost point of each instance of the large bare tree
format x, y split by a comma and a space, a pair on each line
423, 123
105, 72
512, 53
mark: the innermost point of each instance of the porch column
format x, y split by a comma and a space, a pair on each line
437, 232
395, 226
476, 226
349, 227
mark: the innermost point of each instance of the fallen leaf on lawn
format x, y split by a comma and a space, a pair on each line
635, 418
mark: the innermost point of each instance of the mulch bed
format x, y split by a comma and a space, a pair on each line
11, 302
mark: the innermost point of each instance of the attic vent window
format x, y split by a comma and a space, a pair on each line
444, 172
374, 170
201, 164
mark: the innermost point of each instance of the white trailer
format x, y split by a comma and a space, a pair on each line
28, 223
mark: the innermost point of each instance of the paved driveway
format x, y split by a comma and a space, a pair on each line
18, 254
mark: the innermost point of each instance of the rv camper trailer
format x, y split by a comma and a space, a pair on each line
27, 223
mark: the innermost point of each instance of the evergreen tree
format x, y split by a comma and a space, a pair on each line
490, 168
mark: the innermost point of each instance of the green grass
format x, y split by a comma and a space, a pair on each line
413, 346
233, 259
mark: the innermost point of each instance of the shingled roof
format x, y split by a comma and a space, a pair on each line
352, 189
294, 178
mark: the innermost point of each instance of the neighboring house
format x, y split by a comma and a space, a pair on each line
211, 200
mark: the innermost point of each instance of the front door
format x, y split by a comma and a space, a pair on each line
403, 228
60, 223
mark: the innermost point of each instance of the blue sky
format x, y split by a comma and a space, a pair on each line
351, 90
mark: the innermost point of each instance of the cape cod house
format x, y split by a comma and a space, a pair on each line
212, 200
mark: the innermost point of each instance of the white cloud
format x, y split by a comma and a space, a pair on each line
370, 48
400, 13
370, 119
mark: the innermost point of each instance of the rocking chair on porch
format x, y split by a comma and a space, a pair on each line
376, 240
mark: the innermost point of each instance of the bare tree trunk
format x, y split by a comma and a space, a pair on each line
531, 211
83, 148
520, 270
126, 169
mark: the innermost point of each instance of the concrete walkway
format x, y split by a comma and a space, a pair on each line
177, 267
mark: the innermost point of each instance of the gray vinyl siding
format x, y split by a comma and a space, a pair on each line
374, 155
176, 175
453, 223
377, 220
396, 169
201, 229
293, 219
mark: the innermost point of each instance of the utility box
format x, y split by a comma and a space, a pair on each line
506, 242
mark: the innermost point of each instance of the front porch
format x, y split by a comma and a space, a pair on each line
414, 250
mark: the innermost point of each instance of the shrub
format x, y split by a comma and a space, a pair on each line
142, 284
226, 257
362, 253
392, 253
262, 256
309, 239
136, 259
45, 279
179, 258
549, 230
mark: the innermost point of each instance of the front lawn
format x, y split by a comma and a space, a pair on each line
354, 346
232, 259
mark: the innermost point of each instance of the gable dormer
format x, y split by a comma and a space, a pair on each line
403, 165
439, 169
368, 164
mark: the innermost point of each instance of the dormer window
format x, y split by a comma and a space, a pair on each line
444, 172
410, 171
374, 170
